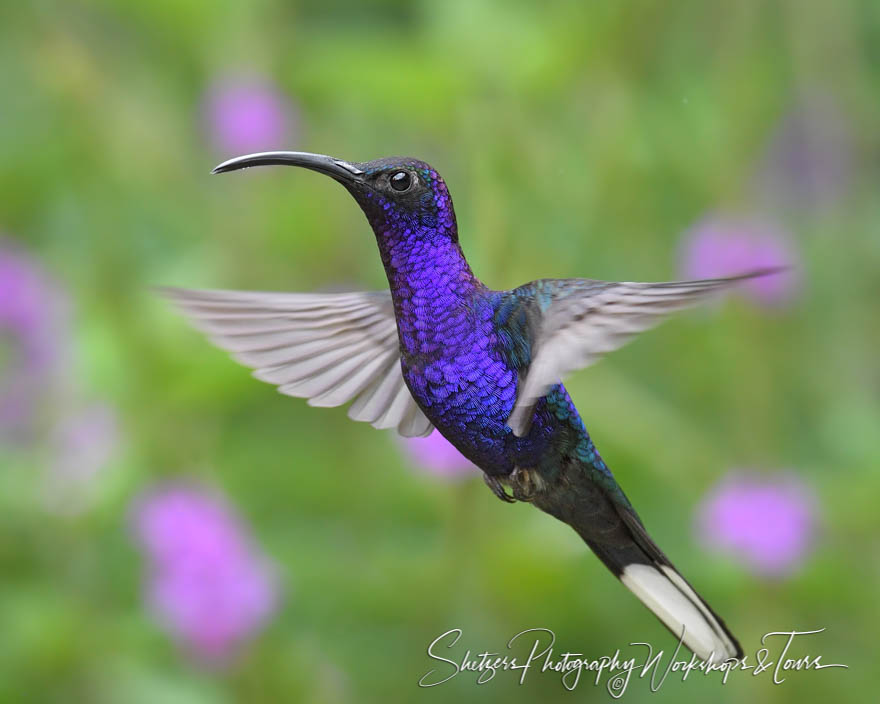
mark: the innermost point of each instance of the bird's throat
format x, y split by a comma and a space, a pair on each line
432, 287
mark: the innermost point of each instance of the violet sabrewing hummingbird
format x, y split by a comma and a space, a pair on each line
441, 350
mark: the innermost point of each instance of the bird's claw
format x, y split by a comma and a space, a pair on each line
524, 483
497, 488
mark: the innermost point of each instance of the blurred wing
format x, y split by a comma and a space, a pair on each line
586, 319
330, 348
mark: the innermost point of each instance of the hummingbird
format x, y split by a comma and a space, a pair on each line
439, 349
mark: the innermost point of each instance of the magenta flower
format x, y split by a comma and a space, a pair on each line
438, 456
208, 584
718, 246
247, 113
766, 523
32, 334
82, 446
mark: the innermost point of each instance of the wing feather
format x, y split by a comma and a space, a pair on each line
584, 319
329, 348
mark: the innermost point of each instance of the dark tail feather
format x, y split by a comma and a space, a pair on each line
649, 574
608, 524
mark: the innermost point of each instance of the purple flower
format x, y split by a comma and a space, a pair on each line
809, 160
32, 330
82, 445
438, 456
247, 113
719, 246
208, 583
766, 523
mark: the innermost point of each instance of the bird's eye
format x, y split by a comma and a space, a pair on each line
401, 180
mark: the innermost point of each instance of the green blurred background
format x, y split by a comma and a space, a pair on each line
578, 139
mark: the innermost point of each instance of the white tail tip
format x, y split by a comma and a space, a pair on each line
677, 605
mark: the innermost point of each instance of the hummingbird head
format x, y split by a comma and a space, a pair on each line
401, 197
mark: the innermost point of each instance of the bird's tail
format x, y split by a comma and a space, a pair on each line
601, 514
647, 572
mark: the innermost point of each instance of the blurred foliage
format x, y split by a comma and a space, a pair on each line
578, 139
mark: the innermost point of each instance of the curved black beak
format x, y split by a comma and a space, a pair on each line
340, 170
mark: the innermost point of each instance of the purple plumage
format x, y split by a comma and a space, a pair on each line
454, 361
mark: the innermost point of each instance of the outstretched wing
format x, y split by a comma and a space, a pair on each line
580, 320
330, 348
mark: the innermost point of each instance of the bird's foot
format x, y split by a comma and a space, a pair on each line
497, 489
525, 483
